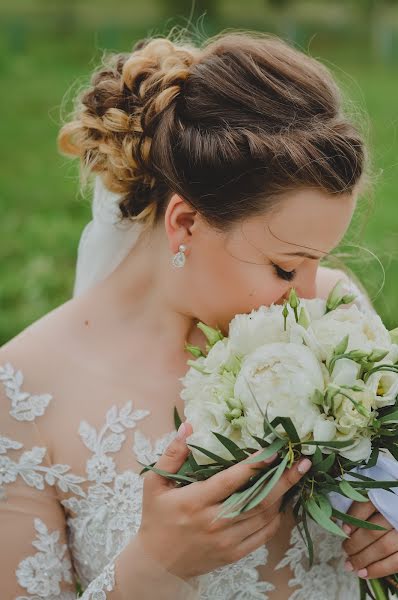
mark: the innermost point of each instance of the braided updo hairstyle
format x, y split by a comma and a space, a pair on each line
229, 126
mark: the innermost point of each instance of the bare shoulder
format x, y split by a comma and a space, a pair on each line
40, 347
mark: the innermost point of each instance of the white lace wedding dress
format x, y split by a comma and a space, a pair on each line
70, 501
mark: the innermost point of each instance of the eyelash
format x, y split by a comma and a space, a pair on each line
282, 274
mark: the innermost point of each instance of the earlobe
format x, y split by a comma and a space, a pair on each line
179, 221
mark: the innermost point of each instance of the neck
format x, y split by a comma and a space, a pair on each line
140, 299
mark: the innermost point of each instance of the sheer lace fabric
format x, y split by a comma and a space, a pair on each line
71, 503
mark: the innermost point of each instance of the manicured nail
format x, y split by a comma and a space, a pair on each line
362, 573
181, 432
346, 528
348, 566
304, 466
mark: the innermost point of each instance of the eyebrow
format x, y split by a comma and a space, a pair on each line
305, 254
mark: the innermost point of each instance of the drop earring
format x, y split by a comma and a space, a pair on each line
179, 257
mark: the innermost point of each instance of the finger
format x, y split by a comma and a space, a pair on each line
260, 537
289, 479
223, 484
381, 568
246, 527
171, 461
359, 510
263, 506
361, 538
244, 516
375, 552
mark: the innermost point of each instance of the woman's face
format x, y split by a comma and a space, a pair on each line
261, 258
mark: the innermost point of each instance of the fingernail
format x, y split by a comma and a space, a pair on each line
181, 431
348, 566
346, 528
362, 573
304, 466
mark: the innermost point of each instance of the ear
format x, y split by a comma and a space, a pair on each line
180, 222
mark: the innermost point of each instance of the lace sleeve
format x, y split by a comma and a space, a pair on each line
36, 560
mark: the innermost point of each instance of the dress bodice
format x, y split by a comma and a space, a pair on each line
66, 516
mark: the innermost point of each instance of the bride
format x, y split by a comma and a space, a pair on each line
222, 176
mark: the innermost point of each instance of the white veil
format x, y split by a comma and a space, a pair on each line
105, 241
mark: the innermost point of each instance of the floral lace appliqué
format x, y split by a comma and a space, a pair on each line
326, 579
42, 573
24, 406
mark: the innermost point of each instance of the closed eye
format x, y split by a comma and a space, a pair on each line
282, 274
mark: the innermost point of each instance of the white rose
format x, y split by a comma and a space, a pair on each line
360, 450
221, 356
345, 372
316, 307
384, 385
348, 419
366, 330
283, 377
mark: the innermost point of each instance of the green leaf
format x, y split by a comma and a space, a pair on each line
230, 445
270, 485
218, 459
324, 504
239, 498
171, 475
356, 522
335, 444
260, 441
177, 420
326, 464
289, 427
391, 417
267, 452
351, 492
322, 519
194, 465
317, 457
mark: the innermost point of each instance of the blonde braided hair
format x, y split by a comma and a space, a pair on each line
112, 126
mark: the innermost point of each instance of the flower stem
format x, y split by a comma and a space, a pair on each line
377, 589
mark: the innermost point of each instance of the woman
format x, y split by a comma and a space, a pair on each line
234, 171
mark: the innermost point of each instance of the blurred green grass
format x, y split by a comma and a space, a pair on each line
43, 213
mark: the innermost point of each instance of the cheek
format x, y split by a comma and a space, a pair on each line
228, 286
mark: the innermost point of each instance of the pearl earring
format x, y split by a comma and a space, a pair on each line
179, 258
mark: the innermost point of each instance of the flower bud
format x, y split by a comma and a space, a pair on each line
358, 354
334, 298
304, 318
377, 354
348, 298
194, 350
341, 346
212, 335
293, 299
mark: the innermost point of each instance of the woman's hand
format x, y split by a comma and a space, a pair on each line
371, 553
178, 527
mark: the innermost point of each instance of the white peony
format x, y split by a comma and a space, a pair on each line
283, 377
264, 325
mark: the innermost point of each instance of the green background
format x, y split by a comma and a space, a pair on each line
48, 49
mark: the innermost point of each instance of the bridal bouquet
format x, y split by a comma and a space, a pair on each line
310, 377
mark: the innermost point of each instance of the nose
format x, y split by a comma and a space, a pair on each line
305, 282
